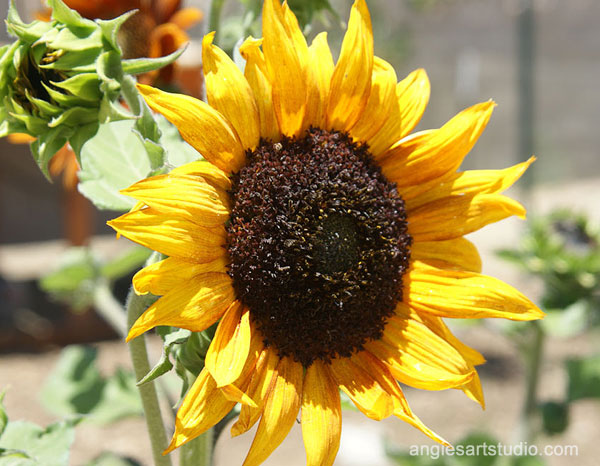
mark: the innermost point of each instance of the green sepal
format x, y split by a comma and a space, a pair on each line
164, 364
109, 71
110, 28
83, 61
85, 86
143, 65
46, 145
75, 116
46, 108
69, 40
149, 133
64, 100
81, 136
113, 111
193, 353
63, 14
33, 124
28, 33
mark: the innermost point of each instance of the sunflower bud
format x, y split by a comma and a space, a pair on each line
60, 79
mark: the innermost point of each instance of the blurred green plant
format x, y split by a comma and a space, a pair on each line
562, 250
27, 444
76, 387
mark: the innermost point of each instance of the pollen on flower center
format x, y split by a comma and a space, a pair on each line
318, 245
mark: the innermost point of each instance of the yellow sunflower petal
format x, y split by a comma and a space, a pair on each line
412, 95
207, 171
321, 416
280, 411
186, 196
431, 154
203, 127
194, 305
351, 80
257, 75
203, 406
452, 293
459, 215
458, 253
161, 277
372, 365
362, 388
418, 357
320, 69
285, 70
260, 386
409, 417
170, 235
229, 349
381, 100
233, 393
438, 326
462, 184
228, 92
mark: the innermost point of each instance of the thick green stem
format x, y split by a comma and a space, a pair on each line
139, 357
533, 359
199, 451
215, 17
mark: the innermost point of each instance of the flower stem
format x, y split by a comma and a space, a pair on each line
139, 357
215, 17
198, 452
533, 358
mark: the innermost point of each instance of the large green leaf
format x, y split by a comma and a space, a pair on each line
76, 387
112, 160
26, 444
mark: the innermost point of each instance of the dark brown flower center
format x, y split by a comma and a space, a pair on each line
318, 245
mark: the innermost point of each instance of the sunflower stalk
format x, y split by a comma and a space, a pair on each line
533, 353
136, 305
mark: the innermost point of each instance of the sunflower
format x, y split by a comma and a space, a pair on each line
325, 240
156, 30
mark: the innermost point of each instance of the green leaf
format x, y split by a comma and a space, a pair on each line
130, 261
112, 160
143, 65
164, 364
120, 399
47, 447
75, 385
74, 279
584, 378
